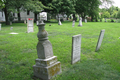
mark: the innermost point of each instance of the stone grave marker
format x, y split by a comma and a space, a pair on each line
24, 21
73, 23
11, 28
76, 48
100, 39
13, 33
46, 65
80, 22
59, 23
85, 20
36, 22
0, 26
30, 25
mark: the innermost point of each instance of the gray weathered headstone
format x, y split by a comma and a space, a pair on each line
46, 65
80, 22
73, 23
0, 26
76, 48
100, 40
30, 25
10, 22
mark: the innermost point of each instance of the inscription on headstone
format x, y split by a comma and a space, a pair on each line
100, 40
30, 25
76, 48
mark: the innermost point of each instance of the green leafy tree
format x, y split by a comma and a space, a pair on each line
13, 5
2, 5
63, 7
106, 14
118, 14
114, 15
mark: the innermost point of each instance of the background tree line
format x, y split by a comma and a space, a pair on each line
79, 7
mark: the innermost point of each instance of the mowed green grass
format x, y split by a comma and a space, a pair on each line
18, 51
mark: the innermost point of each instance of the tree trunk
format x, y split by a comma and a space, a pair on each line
6, 16
35, 16
92, 18
18, 14
73, 17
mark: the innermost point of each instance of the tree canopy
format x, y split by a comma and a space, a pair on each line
81, 7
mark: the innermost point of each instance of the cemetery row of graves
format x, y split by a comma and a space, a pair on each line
99, 50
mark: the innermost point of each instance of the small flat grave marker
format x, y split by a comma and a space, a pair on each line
13, 33
76, 48
30, 25
100, 40
11, 28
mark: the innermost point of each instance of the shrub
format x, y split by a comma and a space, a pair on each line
112, 20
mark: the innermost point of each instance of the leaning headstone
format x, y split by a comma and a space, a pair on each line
73, 23
30, 25
80, 22
59, 23
100, 40
76, 48
0, 26
46, 65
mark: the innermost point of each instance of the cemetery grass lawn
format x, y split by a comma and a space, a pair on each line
18, 51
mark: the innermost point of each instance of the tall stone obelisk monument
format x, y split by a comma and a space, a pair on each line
46, 65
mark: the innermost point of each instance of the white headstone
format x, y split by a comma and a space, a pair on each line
36, 22
30, 25
59, 23
0, 26
73, 23
80, 22
85, 20
13, 33
100, 40
43, 16
76, 48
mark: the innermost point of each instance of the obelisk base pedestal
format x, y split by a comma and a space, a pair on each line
47, 68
